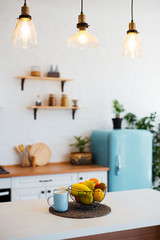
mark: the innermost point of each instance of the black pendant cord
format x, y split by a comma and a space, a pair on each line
131, 10
82, 6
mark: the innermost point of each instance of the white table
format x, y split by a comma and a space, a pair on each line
31, 220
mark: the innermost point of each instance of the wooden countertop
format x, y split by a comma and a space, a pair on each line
51, 168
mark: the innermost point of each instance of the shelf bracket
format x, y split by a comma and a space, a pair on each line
22, 83
35, 113
62, 85
73, 113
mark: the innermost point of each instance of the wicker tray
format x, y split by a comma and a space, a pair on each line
74, 212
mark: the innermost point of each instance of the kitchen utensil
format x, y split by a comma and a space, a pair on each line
18, 150
41, 152
33, 161
27, 155
26, 162
21, 147
29, 147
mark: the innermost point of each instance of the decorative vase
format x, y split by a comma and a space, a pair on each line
78, 158
117, 123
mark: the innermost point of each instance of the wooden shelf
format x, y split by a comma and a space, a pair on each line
62, 80
55, 107
35, 108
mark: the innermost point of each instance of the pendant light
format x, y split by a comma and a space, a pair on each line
82, 39
132, 45
25, 35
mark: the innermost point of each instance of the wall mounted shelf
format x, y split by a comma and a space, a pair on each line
35, 108
61, 80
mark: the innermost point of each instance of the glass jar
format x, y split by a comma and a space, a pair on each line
64, 100
38, 101
35, 71
52, 100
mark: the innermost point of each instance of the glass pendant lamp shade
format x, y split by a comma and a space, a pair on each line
132, 46
25, 35
82, 39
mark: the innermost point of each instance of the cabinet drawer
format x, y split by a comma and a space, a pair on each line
5, 183
28, 194
44, 180
100, 175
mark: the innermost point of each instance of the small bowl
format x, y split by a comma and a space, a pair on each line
82, 205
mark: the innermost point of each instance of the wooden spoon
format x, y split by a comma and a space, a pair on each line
18, 150
27, 156
21, 147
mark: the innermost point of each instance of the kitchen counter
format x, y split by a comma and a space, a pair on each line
51, 168
30, 220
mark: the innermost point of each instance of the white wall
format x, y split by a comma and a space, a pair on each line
100, 74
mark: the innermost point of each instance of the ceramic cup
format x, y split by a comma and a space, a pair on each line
60, 200
60, 189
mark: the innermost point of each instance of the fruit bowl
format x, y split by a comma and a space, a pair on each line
87, 199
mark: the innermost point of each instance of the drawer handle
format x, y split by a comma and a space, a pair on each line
81, 178
49, 191
42, 192
50, 180
4, 193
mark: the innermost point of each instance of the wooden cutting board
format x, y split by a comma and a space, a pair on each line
41, 152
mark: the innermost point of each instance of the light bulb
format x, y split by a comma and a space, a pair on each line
82, 39
132, 46
25, 35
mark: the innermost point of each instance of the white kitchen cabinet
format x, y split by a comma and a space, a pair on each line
100, 175
42, 186
5, 183
28, 194
56, 180
35, 187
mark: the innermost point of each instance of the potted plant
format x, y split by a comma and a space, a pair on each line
81, 157
117, 109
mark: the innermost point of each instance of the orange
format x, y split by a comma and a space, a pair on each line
95, 180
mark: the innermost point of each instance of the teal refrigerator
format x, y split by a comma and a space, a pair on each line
128, 154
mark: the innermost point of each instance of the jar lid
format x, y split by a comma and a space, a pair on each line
51, 95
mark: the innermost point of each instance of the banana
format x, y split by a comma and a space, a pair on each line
80, 187
78, 193
79, 190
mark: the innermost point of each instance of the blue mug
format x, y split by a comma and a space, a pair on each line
60, 201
